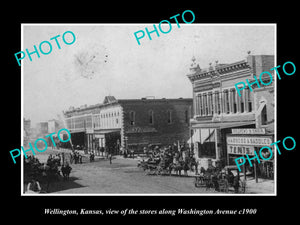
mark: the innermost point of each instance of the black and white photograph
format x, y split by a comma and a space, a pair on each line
130, 112
148, 118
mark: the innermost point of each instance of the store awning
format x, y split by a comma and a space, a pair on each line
106, 131
222, 125
76, 131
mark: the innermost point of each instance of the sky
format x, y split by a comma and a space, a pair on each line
105, 59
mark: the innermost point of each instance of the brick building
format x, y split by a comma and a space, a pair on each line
130, 123
218, 109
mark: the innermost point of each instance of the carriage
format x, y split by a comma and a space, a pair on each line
221, 180
151, 166
165, 165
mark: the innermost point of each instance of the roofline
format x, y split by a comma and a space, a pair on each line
126, 100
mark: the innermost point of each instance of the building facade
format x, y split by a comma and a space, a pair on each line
130, 123
218, 109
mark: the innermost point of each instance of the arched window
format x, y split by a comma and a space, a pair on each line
264, 118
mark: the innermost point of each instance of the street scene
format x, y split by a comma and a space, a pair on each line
124, 176
150, 119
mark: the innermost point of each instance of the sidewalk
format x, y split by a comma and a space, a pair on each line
264, 186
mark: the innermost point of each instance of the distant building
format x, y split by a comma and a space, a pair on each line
218, 109
42, 128
27, 124
27, 131
53, 126
130, 123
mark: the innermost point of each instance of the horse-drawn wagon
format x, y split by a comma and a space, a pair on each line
220, 179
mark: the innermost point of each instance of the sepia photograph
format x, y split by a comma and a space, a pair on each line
131, 109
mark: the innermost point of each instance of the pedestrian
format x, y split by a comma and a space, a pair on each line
110, 158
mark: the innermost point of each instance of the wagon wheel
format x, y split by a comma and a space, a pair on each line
196, 182
243, 186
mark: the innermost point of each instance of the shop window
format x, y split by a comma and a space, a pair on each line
207, 144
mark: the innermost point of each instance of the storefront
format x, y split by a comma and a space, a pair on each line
209, 141
102, 141
248, 141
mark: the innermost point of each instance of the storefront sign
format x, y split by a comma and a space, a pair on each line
141, 130
254, 141
240, 150
249, 131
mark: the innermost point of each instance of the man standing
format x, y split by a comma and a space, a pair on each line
110, 157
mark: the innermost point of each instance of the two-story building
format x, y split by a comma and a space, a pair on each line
218, 109
130, 123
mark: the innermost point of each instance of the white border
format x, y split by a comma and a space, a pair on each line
152, 194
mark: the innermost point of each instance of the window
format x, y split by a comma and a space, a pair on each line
132, 117
186, 115
211, 103
169, 113
205, 104
242, 100
234, 105
227, 109
207, 144
200, 104
264, 118
151, 117
218, 105
250, 95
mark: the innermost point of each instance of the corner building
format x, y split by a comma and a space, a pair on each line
218, 108
130, 123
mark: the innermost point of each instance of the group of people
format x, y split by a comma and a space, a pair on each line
169, 158
212, 176
36, 172
75, 157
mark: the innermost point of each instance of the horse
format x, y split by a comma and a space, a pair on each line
177, 167
66, 170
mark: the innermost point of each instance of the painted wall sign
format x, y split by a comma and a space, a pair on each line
240, 150
249, 131
254, 141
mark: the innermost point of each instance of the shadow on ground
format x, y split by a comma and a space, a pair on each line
62, 185
59, 185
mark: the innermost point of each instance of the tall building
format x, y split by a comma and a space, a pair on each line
219, 112
130, 123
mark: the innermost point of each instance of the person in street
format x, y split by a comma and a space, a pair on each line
236, 184
110, 157
92, 156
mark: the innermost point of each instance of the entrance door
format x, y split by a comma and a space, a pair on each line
112, 142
